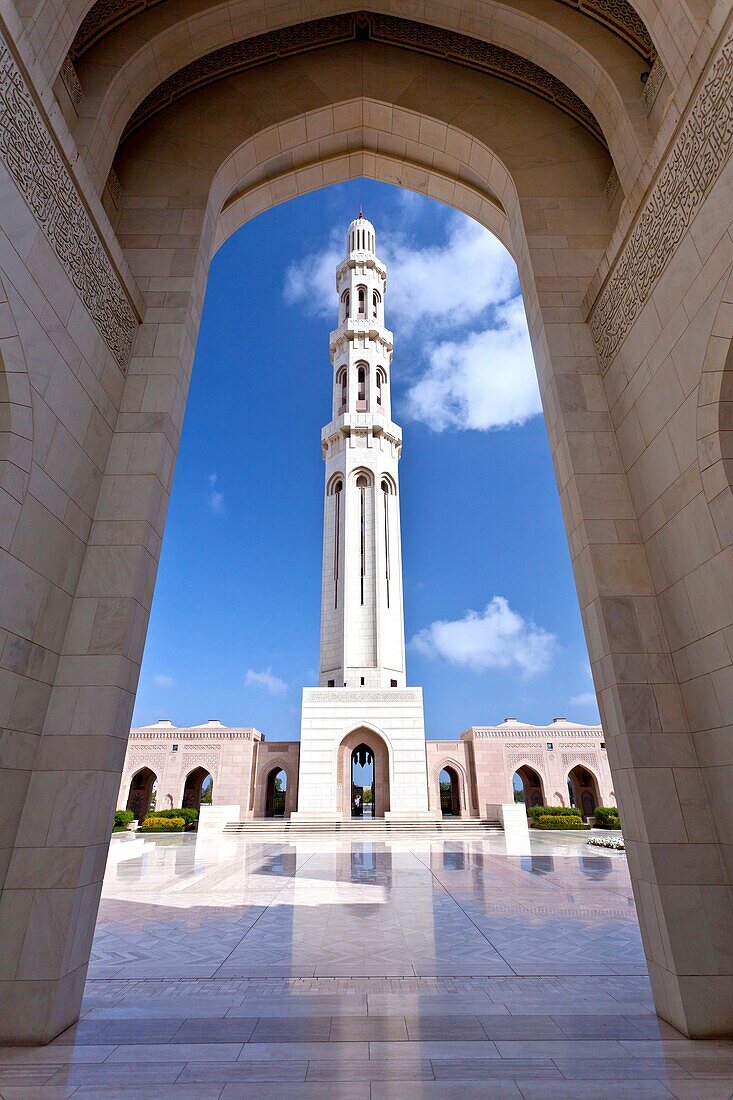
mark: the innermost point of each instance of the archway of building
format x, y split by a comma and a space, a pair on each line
449, 786
583, 790
539, 174
143, 788
362, 749
197, 781
529, 783
276, 792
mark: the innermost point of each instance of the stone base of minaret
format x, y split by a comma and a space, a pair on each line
391, 724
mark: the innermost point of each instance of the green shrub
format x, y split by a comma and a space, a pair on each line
553, 811
189, 816
554, 821
607, 817
122, 819
157, 824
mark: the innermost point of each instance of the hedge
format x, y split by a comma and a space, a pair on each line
123, 818
607, 817
159, 824
188, 815
554, 821
554, 811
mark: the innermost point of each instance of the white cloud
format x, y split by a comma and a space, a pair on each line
585, 699
273, 685
496, 638
484, 381
440, 286
215, 497
163, 681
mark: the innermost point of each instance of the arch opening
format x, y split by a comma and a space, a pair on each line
142, 794
198, 789
450, 792
583, 791
528, 787
276, 792
363, 775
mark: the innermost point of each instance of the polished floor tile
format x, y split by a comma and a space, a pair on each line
355, 969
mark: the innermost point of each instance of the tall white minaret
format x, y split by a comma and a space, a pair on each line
362, 621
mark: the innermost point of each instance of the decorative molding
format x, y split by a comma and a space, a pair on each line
365, 696
114, 187
653, 83
618, 16
702, 148
406, 33
544, 733
71, 82
242, 733
41, 176
102, 18
612, 185
192, 760
573, 758
516, 759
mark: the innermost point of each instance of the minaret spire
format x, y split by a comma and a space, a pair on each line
362, 622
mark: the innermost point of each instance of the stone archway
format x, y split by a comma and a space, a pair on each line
367, 739
583, 790
612, 276
533, 788
193, 788
449, 787
276, 792
141, 794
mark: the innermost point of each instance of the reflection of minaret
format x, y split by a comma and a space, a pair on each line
362, 624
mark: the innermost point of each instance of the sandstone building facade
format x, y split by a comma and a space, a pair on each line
595, 140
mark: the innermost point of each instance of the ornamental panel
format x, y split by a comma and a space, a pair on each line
33, 160
702, 148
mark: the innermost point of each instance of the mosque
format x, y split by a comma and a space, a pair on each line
362, 750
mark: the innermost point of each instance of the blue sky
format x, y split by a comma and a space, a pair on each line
492, 620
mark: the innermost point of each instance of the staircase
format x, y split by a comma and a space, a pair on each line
362, 827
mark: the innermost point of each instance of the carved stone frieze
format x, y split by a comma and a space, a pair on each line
35, 164
702, 148
617, 16
572, 758
653, 84
516, 759
448, 45
72, 82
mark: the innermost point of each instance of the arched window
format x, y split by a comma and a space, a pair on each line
334, 489
381, 380
361, 397
345, 301
342, 383
375, 303
361, 299
362, 484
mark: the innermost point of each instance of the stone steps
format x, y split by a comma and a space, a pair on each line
373, 827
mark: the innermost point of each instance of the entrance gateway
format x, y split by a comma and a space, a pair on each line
362, 751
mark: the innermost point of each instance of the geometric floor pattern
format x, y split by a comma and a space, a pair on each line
369, 969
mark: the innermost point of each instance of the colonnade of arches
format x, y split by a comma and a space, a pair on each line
582, 789
144, 794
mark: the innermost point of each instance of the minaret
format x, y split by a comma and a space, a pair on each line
362, 707
362, 621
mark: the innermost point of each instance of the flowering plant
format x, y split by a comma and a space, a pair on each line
616, 843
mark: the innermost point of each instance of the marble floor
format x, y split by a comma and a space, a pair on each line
405, 968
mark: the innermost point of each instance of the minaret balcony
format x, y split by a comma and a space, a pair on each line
360, 420
367, 327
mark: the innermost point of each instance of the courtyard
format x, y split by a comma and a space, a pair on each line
419, 966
